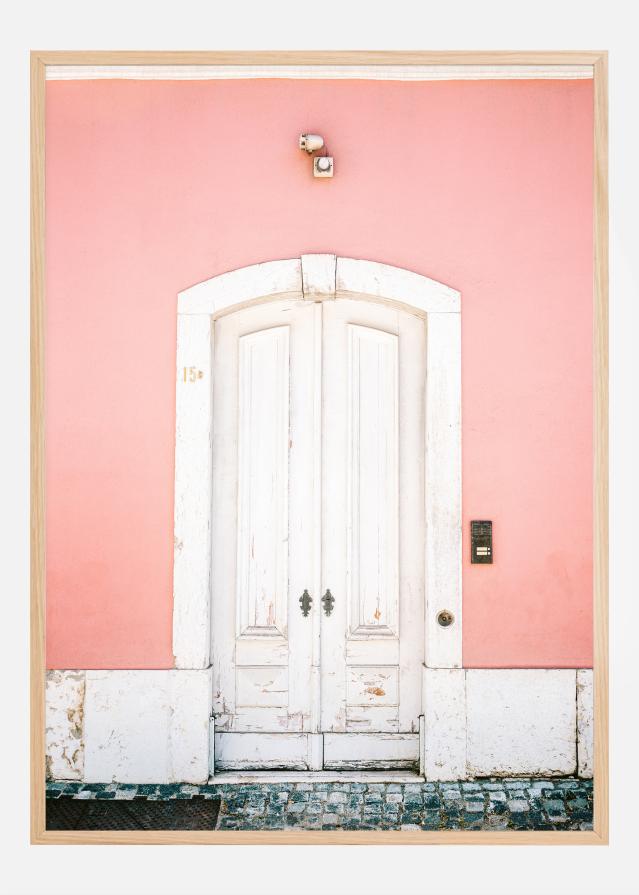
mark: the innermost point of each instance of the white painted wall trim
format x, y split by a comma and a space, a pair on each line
239, 288
311, 277
316, 277
193, 484
324, 72
585, 722
383, 282
444, 704
443, 477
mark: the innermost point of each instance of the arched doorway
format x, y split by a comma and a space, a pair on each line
317, 520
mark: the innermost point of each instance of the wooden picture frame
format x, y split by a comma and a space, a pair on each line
598, 61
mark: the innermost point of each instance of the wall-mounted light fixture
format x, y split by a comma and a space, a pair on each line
322, 164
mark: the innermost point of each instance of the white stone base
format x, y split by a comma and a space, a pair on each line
521, 721
147, 726
153, 726
507, 722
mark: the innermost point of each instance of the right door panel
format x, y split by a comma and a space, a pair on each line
372, 533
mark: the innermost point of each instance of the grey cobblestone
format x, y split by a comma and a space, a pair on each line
482, 804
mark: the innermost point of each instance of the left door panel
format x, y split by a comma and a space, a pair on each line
262, 535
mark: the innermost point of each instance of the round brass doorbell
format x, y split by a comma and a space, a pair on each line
445, 618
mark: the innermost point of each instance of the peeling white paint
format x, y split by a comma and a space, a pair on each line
64, 725
444, 698
147, 726
521, 721
585, 722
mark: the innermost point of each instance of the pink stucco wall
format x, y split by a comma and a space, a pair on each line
152, 187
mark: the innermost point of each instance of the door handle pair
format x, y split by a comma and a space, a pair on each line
328, 601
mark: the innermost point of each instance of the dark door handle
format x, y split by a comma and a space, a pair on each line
305, 603
329, 601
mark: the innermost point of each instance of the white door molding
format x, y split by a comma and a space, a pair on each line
316, 278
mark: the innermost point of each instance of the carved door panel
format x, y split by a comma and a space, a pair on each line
262, 537
373, 534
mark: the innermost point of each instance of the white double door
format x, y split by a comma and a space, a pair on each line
318, 535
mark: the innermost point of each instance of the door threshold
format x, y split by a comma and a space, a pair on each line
316, 777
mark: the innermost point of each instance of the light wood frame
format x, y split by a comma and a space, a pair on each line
599, 62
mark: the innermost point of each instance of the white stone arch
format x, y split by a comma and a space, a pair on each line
320, 277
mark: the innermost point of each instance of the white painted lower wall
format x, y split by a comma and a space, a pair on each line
136, 726
153, 726
485, 722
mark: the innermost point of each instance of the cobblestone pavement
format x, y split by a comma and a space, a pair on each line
485, 804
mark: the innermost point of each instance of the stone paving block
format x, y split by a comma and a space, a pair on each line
496, 822
431, 820
554, 805
296, 807
518, 805
474, 807
521, 821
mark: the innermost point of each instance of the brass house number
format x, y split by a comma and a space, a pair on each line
192, 374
